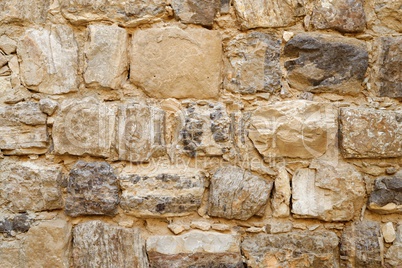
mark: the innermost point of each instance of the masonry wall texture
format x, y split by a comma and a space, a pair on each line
202, 134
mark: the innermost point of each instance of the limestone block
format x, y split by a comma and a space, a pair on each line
388, 232
237, 194
393, 257
325, 63
387, 195
8, 45
174, 63
281, 194
194, 249
24, 11
48, 106
295, 249
253, 63
57, 51
11, 254
92, 190
369, 133
106, 62
196, 12
389, 13
97, 244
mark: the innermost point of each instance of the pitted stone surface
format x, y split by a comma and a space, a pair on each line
389, 13
196, 12
19, 223
387, 195
24, 11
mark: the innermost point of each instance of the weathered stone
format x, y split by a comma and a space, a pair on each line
7, 45
389, 13
360, 245
19, 223
48, 106
390, 65
106, 62
92, 190
281, 194
196, 12
30, 186
388, 232
97, 244
278, 227
84, 126
193, 55
340, 190
296, 249
293, 129
393, 257
162, 194
56, 50
370, 133
237, 194
195, 249
341, 15
225, 6
23, 129
3, 60
11, 254
253, 63
387, 195
324, 63
23, 11
128, 13
202, 225
268, 13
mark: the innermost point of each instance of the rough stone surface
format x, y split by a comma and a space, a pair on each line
325, 63
360, 245
237, 194
296, 249
97, 244
389, 13
388, 232
196, 12
8, 45
56, 50
24, 11
48, 106
161, 195
193, 55
369, 133
387, 195
393, 257
195, 249
11, 254
92, 190
253, 63
19, 223
341, 15
293, 129
106, 56
281, 194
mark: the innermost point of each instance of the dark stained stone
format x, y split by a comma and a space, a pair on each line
195, 11
387, 195
390, 67
19, 223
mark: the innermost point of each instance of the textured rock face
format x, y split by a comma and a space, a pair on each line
106, 56
360, 246
296, 249
92, 190
11, 254
311, 65
253, 63
293, 129
237, 194
339, 189
340, 15
161, 195
194, 65
369, 133
26, 186
194, 249
23, 129
390, 64
387, 195
25, 11
97, 244
18, 223
281, 194
393, 258
196, 12
389, 13
57, 50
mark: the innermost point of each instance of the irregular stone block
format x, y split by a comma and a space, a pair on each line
162, 194
341, 15
268, 13
194, 249
237, 194
325, 63
389, 13
196, 12
97, 244
360, 245
281, 194
388, 232
92, 190
19, 223
30, 186
295, 128
57, 50
253, 63
8, 45
295, 249
24, 11
393, 257
23, 128
48, 106
387, 195
369, 133
11, 254
390, 66
106, 61
193, 55
84, 126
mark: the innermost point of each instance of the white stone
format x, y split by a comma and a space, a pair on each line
388, 232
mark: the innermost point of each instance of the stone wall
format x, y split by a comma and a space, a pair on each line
184, 133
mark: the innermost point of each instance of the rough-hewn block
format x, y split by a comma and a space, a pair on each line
18, 223
387, 195
92, 190
393, 258
194, 249
281, 194
97, 244
370, 133
196, 12
11, 254
23, 11
253, 63
193, 57
389, 14
325, 63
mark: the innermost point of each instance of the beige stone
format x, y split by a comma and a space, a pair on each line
171, 62
202, 225
8, 45
281, 194
24, 11
393, 257
388, 232
389, 14
11, 254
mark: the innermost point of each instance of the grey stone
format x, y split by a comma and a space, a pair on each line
393, 257
19, 223
196, 12
48, 106
24, 11
387, 195
92, 190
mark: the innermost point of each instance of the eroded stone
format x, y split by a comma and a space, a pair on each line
8, 45
281, 194
393, 257
389, 14
19, 223
48, 106
387, 195
24, 11
196, 12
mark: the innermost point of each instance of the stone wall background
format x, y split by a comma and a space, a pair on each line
213, 133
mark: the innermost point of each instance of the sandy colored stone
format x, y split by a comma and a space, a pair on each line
393, 257
278, 227
387, 195
388, 232
389, 14
8, 45
196, 12
281, 194
201, 225
24, 11
11, 254
48, 106
174, 63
